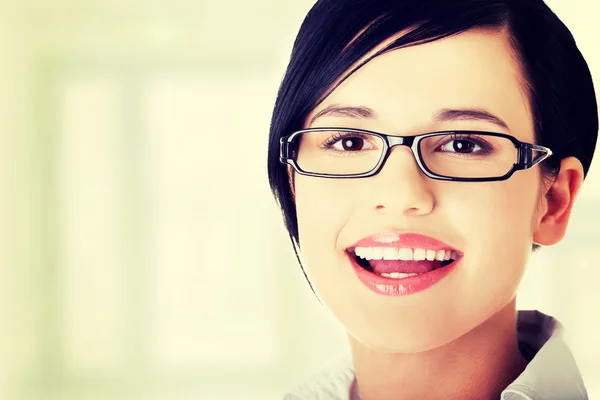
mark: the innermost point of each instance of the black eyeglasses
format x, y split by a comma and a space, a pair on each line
465, 156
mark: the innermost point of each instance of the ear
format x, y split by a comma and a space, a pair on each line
557, 203
291, 181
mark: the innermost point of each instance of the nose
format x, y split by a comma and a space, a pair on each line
401, 187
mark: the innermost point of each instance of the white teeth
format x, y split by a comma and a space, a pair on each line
430, 255
397, 275
419, 254
440, 255
360, 252
390, 253
406, 254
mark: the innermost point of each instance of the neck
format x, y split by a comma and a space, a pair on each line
478, 365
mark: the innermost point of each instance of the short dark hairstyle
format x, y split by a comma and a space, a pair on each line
556, 76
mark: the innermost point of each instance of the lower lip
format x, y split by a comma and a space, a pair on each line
400, 287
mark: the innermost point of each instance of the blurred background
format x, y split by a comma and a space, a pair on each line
141, 253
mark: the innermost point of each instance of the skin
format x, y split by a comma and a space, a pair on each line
456, 339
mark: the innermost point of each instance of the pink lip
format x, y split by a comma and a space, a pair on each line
404, 240
400, 287
405, 286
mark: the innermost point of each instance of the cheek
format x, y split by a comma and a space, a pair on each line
323, 207
495, 219
504, 209
488, 216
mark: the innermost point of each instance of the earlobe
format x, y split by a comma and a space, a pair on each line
559, 199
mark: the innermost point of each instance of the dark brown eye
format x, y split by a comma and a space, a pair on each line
353, 144
462, 146
350, 143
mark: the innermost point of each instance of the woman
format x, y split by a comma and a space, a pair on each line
420, 150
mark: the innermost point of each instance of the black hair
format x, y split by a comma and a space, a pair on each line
337, 33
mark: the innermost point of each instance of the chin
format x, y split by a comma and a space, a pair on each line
401, 340
395, 346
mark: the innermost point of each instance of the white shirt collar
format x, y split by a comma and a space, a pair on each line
552, 373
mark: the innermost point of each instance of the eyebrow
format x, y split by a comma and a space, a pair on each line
444, 115
473, 114
336, 110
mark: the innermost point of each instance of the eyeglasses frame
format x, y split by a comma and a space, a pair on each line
524, 160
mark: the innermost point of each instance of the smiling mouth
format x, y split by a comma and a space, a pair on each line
401, 263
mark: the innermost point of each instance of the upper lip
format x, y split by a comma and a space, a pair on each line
402, 240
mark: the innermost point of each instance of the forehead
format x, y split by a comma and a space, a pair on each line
407, 87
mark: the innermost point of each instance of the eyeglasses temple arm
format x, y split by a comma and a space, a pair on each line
526, 159
282, 150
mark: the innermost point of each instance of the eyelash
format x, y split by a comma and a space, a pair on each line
456, 136
341, 135
478, 140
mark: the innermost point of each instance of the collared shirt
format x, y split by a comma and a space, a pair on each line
551, 374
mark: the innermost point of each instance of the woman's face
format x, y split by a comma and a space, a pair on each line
490, 223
